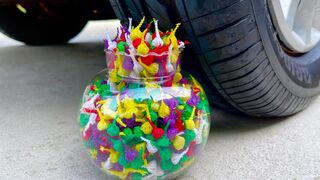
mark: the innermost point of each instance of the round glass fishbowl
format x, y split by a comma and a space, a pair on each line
142, 118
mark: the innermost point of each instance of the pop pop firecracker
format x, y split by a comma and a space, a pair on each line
143, 118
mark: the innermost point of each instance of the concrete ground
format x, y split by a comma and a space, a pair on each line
40, 91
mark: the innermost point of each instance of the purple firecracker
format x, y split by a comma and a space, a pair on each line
98, 137
131, 123
106, 44
172, 132
127, 63
126, 48
172, 117
162, 65
117, 167
130, 154
183, 81
100, 158
96, 141
172, 102
125, 30
194, 100
161, 72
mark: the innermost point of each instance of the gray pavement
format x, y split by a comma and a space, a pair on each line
40, 90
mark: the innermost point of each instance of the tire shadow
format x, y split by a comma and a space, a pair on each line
224, 121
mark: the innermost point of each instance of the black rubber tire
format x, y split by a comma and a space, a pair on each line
32, 30
238, 48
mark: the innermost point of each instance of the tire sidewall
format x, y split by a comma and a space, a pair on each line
299, 74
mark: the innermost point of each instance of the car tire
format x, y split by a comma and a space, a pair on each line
240, 52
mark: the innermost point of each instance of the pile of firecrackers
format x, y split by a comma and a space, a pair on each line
144, 119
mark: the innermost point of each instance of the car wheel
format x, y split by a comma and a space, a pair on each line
244, 52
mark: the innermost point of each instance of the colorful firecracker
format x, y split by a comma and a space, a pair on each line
142, 117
